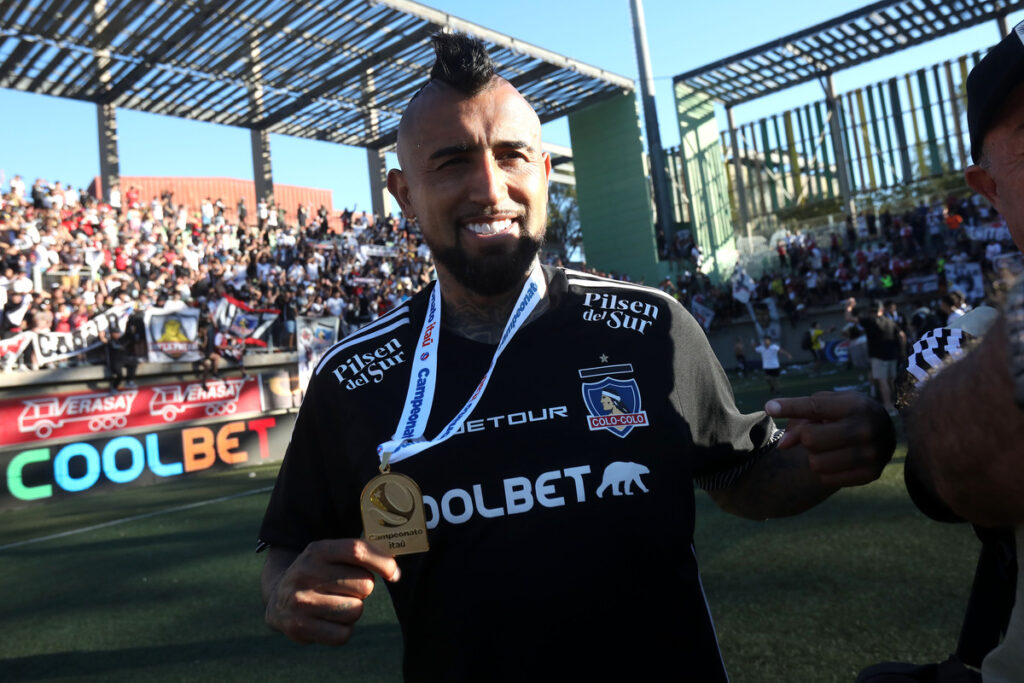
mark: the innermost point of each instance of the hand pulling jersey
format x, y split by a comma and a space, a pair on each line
560, 515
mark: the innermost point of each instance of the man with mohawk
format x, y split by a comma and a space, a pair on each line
498, 378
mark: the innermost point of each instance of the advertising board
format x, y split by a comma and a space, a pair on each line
38, 473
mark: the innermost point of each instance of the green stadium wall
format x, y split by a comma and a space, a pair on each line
613, 189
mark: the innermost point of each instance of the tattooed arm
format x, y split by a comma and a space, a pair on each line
833, 440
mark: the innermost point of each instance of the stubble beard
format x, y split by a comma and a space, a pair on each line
495, 270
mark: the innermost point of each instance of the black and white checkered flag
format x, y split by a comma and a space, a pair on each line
933, 350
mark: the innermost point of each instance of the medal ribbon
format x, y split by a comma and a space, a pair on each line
408, 439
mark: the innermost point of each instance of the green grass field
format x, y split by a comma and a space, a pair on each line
172, 593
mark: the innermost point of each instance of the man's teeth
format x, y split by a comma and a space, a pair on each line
490, 228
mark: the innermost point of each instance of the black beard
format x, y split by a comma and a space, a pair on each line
496, 271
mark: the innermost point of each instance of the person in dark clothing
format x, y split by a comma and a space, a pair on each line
121, 360
482, 604
886, 346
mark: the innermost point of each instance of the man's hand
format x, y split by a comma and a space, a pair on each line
318, 596
849, 438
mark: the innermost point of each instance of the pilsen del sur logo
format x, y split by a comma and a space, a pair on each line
614, 403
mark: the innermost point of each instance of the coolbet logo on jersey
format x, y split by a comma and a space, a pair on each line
362, 368
618, 313
614, 404
518, 495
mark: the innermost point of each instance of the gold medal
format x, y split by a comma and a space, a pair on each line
393, 520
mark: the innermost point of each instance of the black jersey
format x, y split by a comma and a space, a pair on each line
560, 516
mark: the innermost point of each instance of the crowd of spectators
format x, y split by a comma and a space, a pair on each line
67, 256
872, 257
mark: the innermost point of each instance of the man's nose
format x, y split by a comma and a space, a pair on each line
488, 184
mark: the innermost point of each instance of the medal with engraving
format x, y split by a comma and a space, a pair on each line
393, 520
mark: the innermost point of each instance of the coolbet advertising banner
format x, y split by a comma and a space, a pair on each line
41, 473
172, 334
315, 336
57, 445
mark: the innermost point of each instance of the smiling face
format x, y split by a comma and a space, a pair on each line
475, 178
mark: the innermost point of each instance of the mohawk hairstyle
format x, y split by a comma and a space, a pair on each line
462, 62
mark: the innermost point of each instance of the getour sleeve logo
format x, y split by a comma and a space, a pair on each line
619, 313
613, 404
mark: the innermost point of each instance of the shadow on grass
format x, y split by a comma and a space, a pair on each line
216, 659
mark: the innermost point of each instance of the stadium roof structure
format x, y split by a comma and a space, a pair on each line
873, 31
334, 70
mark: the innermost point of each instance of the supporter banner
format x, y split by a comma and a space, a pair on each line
1007, 268
1008, 264
235, 318
966, 278
315, 336
29, 419
989, 233
51, 347
702, 313
377, 250
105, 463
742, 285
12, 348
172, 334
921, 284
365, 280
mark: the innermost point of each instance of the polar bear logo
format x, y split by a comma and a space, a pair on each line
624, 473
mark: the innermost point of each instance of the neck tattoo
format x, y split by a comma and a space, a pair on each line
483, 322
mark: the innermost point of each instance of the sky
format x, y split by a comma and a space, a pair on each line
56, 139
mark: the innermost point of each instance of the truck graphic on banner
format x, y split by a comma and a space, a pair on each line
218, 398
33, 419
101, 412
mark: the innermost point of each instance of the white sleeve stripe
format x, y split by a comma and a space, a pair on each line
351, 341
620, 285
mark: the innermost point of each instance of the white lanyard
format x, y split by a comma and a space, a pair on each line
408, 439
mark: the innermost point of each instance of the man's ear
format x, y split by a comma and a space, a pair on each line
399, 189
982, 182
547, 166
